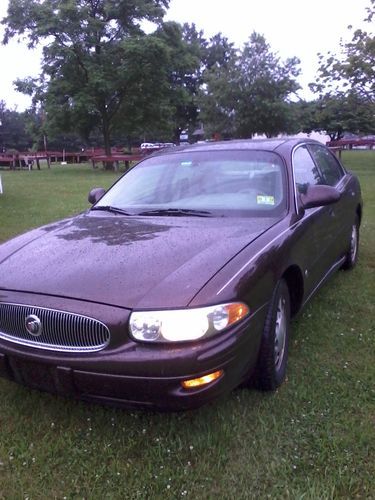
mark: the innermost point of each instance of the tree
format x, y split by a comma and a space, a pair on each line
13, 131
346, 86
143, 87
185, 45
249, 94
218, 99
218, 52
353, 68
338, 114
190, 55
86, 72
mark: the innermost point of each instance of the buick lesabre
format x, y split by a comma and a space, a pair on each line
180, 281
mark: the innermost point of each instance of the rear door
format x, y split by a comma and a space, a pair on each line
318, 223
333, 174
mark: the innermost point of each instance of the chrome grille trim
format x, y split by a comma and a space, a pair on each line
62, 331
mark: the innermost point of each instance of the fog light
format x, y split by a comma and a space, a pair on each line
206, 379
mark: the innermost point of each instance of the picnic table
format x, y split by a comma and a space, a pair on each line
352, 143
26, 159
8, 161
115, 159
21, 160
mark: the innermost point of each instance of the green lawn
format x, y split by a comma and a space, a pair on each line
32, 198
313, 439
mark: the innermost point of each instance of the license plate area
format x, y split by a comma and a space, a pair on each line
34, 375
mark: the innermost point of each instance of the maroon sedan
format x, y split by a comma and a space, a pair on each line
179, 283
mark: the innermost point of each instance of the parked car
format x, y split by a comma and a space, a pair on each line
150, 146
179, 283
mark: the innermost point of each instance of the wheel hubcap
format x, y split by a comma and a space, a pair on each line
353, 244
280, 332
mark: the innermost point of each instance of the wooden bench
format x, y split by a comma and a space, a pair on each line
115, 159
8, 161
352, 143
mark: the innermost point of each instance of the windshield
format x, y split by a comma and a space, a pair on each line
221, 183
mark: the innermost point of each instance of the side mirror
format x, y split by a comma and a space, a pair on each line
319, 196
95, 194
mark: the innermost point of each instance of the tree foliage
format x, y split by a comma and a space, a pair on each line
184, 51
249, 92
191, 55
88, 57
336, 115
346, 87
102, 72
354, 67
13, 131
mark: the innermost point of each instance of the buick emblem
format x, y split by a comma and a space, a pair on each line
33, 325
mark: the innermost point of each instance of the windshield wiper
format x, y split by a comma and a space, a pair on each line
109, 208
177, 212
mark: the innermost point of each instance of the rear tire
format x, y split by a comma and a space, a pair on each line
273, 353
351, 257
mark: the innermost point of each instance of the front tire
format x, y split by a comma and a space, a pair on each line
273, 353
351, 257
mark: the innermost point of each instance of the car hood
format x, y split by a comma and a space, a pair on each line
132, 262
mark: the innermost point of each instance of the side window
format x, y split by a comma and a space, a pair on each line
306, 172
327, 163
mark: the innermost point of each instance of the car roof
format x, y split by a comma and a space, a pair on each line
244, 144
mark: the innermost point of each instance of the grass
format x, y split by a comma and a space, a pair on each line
36, 197
313, 439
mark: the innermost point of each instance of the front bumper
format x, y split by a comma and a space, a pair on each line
132, 374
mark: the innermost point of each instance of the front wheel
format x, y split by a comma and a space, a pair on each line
273, 353
351, 257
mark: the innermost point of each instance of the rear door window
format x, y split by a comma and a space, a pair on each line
330, 168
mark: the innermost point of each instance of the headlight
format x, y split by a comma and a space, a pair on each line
185, 324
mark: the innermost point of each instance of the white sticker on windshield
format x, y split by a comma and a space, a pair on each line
265, 200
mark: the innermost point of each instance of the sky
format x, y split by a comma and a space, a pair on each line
291, 27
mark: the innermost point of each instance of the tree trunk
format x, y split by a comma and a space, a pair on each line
108, 165
45, 150
107, 139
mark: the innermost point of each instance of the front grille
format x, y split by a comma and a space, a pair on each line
59, 330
